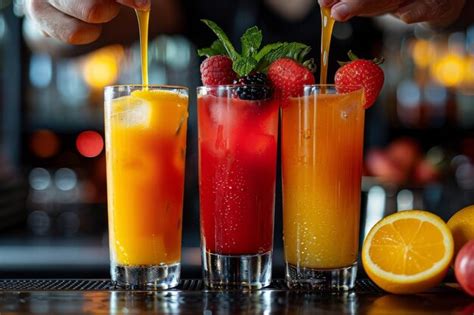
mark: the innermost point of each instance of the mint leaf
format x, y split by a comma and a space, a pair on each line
217, 48
266, 49
244, 65
231, 52
294, 50
251, 41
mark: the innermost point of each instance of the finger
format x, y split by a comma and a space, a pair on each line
61, 26
342, 12
412, 13
426, 11
346, 9
327, 3
90, 11
136, 4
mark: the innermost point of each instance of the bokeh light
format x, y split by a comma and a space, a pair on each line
101, 67
44, 143
39, 178
69, 223
449, 70
469, 71
39, 222
65, 179
41, 70
423, 53
89, 143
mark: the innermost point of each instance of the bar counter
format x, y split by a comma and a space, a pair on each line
99, 297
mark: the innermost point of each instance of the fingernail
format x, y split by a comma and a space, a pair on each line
142, 4
341, 11
326, 3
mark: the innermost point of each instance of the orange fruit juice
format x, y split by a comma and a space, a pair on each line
143, 16
327, 25
322, 138
146, 143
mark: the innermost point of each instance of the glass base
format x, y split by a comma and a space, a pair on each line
237, 271
154, 277
325, 280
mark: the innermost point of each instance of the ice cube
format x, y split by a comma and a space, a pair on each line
218, 112
131, 111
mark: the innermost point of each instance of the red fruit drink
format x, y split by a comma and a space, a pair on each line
237, 152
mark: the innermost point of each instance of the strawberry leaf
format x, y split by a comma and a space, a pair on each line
352, 56
217, 48
251, 41
231, 52
294, 50
379, 60
310, 65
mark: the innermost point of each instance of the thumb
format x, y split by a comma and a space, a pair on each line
346, 9
136, 4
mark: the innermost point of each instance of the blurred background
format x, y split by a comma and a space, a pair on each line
419, 147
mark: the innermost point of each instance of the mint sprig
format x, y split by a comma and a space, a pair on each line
216, 49
267, 49
221, 35
251, 41
252, 57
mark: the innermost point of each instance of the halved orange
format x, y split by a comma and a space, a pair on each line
461, 225
408, 252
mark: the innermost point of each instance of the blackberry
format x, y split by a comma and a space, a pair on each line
253, 87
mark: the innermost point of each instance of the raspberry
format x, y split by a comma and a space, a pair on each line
253, 87
217, 70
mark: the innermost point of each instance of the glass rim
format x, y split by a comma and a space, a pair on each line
230, 86
360, 86
155, 86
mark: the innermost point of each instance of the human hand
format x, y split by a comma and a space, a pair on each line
435, 12
76, 22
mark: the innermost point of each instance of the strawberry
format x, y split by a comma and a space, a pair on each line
217, 70
361, 72
288, 77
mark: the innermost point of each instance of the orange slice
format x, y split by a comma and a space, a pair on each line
408, 252
461, 225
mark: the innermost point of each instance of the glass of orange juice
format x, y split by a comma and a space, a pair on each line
145, 129
322, 139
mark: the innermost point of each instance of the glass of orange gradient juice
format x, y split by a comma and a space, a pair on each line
145, 129
322, 139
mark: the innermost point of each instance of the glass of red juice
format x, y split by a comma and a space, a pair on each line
237, 170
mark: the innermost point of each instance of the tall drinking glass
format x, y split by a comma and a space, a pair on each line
145, 130
322, 138
237, 169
